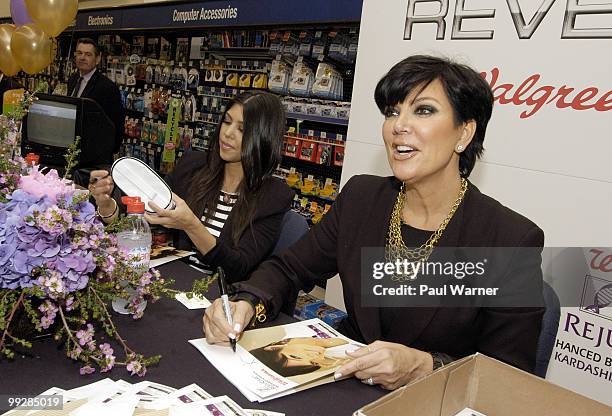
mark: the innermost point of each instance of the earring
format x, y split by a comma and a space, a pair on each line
460, 148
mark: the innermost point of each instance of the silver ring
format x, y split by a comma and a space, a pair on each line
369, 381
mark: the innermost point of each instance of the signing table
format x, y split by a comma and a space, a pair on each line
165, 329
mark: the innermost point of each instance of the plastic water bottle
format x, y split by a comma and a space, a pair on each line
136, 241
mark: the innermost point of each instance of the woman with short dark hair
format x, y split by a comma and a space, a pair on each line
229, 208
435, 117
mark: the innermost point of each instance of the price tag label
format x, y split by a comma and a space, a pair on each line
310, 178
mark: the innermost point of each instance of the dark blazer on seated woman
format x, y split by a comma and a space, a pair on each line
360, 218
258, 240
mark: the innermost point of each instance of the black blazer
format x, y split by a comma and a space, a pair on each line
106, 93
360, 218
257, 242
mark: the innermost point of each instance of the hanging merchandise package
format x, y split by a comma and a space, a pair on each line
135, 178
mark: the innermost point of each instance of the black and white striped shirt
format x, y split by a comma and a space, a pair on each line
214, 223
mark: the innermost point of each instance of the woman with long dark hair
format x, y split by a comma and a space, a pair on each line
229, 208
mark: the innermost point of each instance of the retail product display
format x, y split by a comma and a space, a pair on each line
200, 72
302, 80
280, 75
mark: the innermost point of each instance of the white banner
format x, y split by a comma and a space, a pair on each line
548, 146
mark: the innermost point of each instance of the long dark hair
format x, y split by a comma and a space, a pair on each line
262, 138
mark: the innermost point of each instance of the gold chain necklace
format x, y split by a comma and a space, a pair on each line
396, 249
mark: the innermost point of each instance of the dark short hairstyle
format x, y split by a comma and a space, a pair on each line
468, 93
262, 141
89, 41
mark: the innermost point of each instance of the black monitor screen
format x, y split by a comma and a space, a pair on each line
52, 123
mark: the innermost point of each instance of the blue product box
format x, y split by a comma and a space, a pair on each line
324, 312
302, 301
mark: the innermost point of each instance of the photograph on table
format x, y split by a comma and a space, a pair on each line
280, 360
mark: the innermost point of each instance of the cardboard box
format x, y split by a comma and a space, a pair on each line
487, 386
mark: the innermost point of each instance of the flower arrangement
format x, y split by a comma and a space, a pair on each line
59, 267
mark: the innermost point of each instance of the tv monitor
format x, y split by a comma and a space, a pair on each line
54, 121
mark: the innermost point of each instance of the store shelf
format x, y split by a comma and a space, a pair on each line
322, 141
318, 119
317, 199
311, 168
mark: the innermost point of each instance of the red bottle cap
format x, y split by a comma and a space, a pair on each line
136, 207
127, 200
32, 158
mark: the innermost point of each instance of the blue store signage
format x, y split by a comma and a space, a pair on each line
99, 20
222, 13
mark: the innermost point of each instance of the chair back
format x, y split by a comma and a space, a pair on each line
548, 334
293, 227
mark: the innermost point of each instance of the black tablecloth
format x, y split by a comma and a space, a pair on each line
165, 329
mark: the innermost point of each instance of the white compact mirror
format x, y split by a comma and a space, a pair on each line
135, 178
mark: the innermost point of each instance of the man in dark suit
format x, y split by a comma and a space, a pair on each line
88, 82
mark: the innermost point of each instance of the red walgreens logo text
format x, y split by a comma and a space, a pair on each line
599, 262
528, 93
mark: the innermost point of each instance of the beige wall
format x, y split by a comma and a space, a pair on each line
5, 9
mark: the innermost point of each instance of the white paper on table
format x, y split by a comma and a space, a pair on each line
217, 406
255, 380
188, 394
148, 392
123, 384
469, 412
224, 358
92, 390
177, 254
245, 373
255, 412
118, 405
196, 302
250, 377
117, 401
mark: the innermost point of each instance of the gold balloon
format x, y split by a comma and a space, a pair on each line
52, 16
31, 48
8, 65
